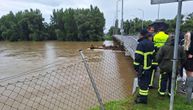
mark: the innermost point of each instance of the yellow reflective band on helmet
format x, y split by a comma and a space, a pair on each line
135, 63
143, 92
139, 52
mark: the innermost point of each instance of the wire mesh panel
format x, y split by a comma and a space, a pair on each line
129, 43
105, 71
66, 86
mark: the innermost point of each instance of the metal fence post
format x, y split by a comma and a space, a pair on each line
175, 57
92, 81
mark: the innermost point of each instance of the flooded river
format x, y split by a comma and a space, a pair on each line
113, 75
19, 57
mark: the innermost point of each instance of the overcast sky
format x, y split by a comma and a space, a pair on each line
108, 7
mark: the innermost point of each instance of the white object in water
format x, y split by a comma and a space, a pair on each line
108, 43
135, 85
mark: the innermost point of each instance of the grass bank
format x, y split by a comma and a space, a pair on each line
155, 102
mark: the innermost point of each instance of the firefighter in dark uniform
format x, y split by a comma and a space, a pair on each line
164, 58
159, 40
142, 65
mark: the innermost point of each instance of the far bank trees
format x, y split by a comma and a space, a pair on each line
133, 26
67, 25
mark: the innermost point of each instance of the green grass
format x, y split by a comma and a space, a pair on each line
115, 105
155, 102
107, 37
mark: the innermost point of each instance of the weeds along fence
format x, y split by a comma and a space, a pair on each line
65, 86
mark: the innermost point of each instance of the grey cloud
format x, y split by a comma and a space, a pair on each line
45, 2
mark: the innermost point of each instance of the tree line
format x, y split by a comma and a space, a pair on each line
67, 25
132, 27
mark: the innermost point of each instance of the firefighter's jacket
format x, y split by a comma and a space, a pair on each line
144, 55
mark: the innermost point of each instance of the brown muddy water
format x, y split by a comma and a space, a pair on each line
19, 57
68, 86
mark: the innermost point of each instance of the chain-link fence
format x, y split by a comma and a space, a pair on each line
129, 43
65, 86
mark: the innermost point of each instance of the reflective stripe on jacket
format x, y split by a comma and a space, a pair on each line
144, 55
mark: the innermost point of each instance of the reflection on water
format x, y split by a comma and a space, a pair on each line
50, 54
122, 69
126, 70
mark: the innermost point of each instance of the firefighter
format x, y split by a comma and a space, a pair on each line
164, 58
159, 40
142, 65
150, 29
142, 34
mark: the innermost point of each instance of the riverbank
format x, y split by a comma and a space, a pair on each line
155, 102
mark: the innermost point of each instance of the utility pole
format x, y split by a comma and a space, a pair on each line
116, 17
158, 11
122, 30
142, 17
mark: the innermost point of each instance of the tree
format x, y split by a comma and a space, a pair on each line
26, 25
78, 24
133, 26
188, 23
